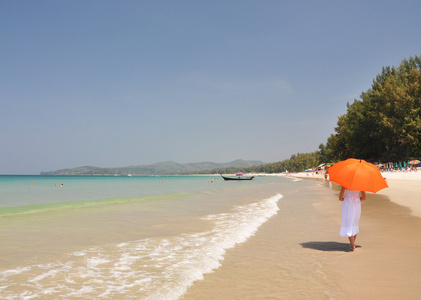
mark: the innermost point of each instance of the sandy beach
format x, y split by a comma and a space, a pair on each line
246, 247
385, 265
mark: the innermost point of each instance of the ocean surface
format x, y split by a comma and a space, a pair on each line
124, 237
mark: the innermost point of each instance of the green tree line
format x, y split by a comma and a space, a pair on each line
383, 125
297, 162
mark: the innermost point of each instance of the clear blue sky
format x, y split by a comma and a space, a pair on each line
119, 83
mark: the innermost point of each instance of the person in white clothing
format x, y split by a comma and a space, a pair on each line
351, 212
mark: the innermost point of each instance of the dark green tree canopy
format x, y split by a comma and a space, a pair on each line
383, 125
386, 123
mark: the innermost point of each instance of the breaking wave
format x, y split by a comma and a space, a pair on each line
154, 268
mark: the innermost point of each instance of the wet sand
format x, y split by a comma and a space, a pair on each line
298, 254
280, 261
386, 263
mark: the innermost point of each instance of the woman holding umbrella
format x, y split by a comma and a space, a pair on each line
356, 176
351, 212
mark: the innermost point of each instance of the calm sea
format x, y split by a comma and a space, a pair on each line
124, 237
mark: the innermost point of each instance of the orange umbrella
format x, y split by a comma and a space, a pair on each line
357, 175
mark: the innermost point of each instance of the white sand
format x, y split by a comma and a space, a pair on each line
385, 266
404, 188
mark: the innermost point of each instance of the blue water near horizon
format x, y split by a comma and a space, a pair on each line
23, 190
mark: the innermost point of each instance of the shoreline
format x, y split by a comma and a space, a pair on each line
403, 188
278, 262
385, 264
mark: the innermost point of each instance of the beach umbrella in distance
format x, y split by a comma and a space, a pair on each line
239, 174
357, 175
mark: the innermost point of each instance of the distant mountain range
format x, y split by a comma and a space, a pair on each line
161, 168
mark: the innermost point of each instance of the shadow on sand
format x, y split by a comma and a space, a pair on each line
328, 246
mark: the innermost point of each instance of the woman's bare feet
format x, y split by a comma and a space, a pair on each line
352, 242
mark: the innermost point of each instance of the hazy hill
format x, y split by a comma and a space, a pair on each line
161, 168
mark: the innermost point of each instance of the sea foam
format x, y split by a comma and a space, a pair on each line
148, 269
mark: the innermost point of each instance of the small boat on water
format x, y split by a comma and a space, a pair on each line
238, 176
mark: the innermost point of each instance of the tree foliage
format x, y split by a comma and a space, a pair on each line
386, 123
296, 163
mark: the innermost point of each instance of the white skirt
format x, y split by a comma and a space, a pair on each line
351, 213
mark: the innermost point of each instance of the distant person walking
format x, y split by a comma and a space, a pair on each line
351, 213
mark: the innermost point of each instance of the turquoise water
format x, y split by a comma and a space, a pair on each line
123, 237
30, 190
